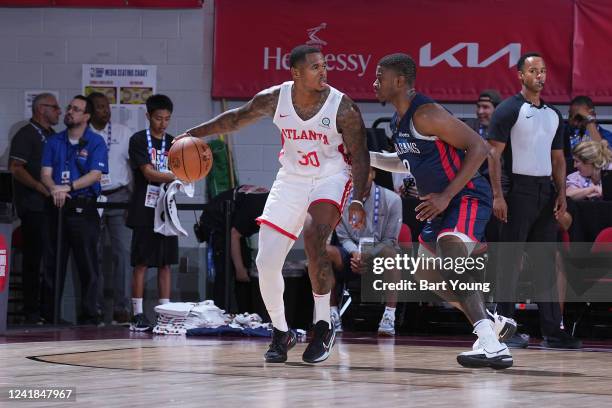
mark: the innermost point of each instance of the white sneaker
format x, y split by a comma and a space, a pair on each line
386, 327
336, 321
496, 356
504, 328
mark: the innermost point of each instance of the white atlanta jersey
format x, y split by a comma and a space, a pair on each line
312, 147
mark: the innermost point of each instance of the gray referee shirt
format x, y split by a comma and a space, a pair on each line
384, 231
532, 132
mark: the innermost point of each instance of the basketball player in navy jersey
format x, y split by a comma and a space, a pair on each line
322, 132
443, 155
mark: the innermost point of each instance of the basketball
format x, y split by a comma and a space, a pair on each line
190, 159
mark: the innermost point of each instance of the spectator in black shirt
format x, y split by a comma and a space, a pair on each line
29, 194
149, 159
249, 204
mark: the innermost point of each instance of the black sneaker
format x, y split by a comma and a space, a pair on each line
140, 323
562, 340
282, 342
321, 344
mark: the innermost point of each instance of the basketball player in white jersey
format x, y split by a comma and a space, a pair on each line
322, 133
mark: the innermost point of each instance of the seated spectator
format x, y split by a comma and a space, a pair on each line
248, 203
582, 127
383, 222
485, 106
589, 158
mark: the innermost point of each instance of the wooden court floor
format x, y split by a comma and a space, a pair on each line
169, 371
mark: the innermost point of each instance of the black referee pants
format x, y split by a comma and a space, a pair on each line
531, 202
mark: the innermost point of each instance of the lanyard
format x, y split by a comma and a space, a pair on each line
376, 203
579, 137
40, 132
150, 148
108, 137
72, 155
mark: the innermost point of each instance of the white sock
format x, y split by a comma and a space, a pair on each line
322, 308
486, 335
273, 249
390, 311
136, 306
164, 301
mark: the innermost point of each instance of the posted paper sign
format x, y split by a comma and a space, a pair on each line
127, 87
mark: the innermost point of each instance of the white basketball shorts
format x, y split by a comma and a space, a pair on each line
291, 195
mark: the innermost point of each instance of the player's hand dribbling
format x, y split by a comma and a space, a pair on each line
357, 215
182, 135
432, 205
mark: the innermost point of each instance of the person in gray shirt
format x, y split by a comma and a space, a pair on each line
383, 209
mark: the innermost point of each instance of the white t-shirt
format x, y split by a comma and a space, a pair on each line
311, 147
117, 139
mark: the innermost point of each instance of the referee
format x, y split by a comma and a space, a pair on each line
534, 132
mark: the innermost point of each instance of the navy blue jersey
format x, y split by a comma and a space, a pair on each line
433, 162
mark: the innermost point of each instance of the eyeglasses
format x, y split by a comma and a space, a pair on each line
48, 105
74, 109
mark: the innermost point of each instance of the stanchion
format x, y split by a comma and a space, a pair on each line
227, 259
58, 265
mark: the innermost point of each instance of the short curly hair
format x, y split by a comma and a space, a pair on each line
402, 64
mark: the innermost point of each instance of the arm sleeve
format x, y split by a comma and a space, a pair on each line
574, 180
20, 146
138, 151
99, 158
389, 162
394, 219
344, 236
557, 143
503, 119
47, 154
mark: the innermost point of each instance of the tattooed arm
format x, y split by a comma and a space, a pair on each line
350, 125
262, 104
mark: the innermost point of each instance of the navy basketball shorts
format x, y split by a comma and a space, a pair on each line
466, 217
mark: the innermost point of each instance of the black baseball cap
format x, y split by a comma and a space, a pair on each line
490, 95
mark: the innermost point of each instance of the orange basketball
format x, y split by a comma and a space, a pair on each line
190, 159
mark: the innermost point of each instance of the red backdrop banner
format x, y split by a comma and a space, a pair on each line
592, 52
460, 47
104, 3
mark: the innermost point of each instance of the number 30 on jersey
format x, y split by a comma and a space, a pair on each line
310, 159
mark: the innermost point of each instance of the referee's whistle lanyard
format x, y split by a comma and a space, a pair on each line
158, 162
